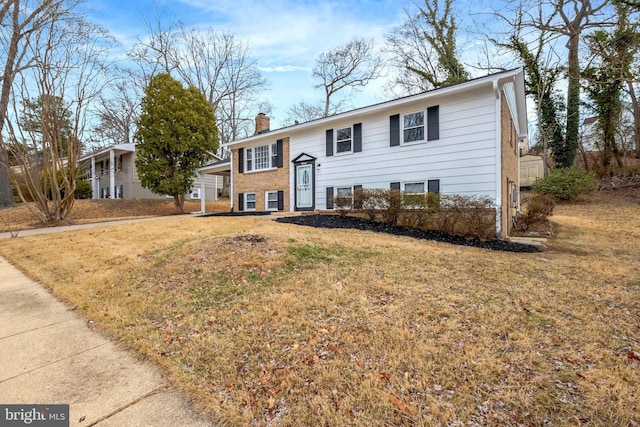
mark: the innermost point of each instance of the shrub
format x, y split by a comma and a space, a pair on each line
83, 190
539, 208
373, 201
469, 216
392, 207
566, 184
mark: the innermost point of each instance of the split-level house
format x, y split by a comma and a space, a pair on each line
112, 173
459, 139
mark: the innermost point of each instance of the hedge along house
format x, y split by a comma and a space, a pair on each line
459, 139
112, 174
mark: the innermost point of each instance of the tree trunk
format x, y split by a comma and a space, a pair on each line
178, 202
6, 196
573, 103
636, 117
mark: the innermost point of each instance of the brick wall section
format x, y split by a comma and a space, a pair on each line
259, 182
510, 170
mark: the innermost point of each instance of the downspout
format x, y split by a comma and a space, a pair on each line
498, 127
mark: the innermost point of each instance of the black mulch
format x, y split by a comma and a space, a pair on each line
337, 221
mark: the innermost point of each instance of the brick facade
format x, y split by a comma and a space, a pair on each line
510, 169
261, 181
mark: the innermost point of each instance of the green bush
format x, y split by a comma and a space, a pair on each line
566, 183
83, 190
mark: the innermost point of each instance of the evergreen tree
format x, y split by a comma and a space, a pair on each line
176, 134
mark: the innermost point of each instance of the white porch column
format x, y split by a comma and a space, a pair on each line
112, 175
95, 184
203, 194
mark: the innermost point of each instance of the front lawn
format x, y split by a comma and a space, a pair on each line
263, 323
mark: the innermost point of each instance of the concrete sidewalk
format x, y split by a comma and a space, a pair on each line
48, 355
63, 228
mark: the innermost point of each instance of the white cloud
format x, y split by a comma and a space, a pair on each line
283, 69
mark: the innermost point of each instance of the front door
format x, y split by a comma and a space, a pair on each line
304, 186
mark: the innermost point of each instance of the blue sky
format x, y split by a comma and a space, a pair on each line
285, 36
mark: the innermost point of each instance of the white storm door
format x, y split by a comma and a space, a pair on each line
304, 186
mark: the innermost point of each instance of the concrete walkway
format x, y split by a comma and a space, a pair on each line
48, 355
63, 228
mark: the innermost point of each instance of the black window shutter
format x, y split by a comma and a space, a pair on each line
241, 160
394, 130
279, 151
433, 123
357, 199
240, 201
280, 200
395, 185
357, 138
329, 142
433, 186
329, 197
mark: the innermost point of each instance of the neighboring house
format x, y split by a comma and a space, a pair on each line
459, 139
112, 174
531, 168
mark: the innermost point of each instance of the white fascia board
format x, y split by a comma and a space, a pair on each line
117, 147
384, 106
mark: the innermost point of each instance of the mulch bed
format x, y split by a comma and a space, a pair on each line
337, 221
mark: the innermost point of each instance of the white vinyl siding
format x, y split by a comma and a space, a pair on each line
463, 158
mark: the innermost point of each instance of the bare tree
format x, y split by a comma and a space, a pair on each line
542, 69
214, 62
352, 65
424, 48
304, 112
66, 74
20, 22
117, 113
577, 16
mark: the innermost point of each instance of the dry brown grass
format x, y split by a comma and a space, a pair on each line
89, 211
273, 324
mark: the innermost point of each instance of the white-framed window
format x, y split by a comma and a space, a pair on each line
271, 200
261, 157
344, 197
413, 127
195, 193
414, 187
120, 192
344, 140
249, 201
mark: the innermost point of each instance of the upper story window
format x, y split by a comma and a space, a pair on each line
413, 127
262, 157
418, 126
343, 140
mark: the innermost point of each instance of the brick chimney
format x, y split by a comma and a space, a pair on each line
262, 123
